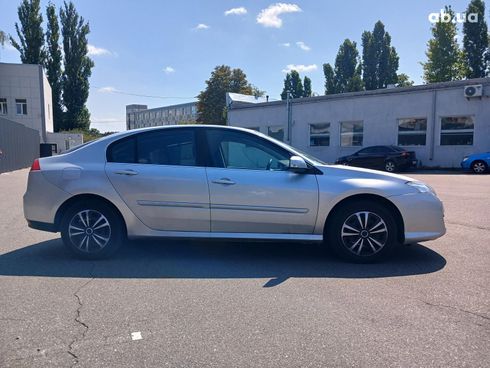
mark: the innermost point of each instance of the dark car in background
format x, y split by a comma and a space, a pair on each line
388, 158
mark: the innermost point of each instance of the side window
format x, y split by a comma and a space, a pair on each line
123, 151
167, 147
243, 151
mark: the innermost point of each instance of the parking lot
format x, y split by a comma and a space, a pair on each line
197, 304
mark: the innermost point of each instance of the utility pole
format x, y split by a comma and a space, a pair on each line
289, 108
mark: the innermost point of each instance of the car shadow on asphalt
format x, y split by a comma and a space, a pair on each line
214, 260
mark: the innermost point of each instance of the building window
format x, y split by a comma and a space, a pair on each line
457, 131
276, 132
412, 132
257, 129
21, 106
320, 134
351, 133
3, 106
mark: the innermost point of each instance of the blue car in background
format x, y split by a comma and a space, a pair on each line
478, 162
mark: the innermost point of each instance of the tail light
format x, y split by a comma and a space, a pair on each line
405, 154
35, 165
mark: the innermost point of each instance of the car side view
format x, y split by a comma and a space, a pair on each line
477, 162
222, 182
388, 158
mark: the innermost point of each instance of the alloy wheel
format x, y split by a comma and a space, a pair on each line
390, 166
89, 230
364, 233
479, 167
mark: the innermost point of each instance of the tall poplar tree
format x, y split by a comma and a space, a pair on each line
30, 33
379, 58
476, 41
53, 65
444, 58
78, 68
346, 76
293, 84
307, 87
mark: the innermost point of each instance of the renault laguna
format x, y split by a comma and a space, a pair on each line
222, 183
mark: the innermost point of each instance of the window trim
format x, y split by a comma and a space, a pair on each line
398, 131
22, 104
319, 135
353, 133
4, 103
457, 130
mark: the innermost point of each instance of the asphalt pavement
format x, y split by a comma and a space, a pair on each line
231, 304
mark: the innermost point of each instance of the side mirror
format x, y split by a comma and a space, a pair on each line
297, 164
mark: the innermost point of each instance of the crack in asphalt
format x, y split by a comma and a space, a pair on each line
468, 225
458, 309
78, 320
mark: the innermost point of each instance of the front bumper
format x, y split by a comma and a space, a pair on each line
423, 216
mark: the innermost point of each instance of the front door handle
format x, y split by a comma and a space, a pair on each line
126, 172
224, 181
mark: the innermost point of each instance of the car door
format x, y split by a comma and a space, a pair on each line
361, 158
158, 176
252, 190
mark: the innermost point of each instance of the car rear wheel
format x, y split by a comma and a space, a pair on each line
390, 166
479, 167
362, 232
92, 230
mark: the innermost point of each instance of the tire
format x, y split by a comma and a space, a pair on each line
479, 167
368, 244
390, 166
92, 230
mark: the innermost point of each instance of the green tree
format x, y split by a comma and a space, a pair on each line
30, 33
346, 77
294, 85
475, 41
329, 74
211, 105
379, 59
444, 58
3, 38
404, 80
307, 87
257, 92
53, 65
78, 68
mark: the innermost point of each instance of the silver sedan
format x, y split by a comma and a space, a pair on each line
227, 183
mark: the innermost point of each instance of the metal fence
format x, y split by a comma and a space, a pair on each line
19, 145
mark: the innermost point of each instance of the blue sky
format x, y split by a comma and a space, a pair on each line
158, 48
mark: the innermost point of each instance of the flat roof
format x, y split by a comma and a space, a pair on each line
376, 92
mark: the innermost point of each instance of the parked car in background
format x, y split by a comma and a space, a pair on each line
388, 158
222, 182
477, 162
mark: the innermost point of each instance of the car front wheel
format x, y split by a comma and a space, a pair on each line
362, 232
92, 230
479, 167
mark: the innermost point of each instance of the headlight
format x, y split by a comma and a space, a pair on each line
421, 187
465, 158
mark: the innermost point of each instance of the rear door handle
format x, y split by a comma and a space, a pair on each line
126, 172
224, 181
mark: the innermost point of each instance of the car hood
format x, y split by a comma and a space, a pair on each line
343, 171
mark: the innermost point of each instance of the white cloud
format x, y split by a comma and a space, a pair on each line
285, 44
97, 51
168, 70
236, 11
201, 26
269, 17
303, 46
107, 89
300, 68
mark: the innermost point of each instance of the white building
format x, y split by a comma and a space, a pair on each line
25, 97
441, 122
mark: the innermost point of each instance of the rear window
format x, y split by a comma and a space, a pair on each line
165, 147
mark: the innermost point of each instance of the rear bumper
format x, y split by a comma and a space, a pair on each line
43, 226
41, 201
